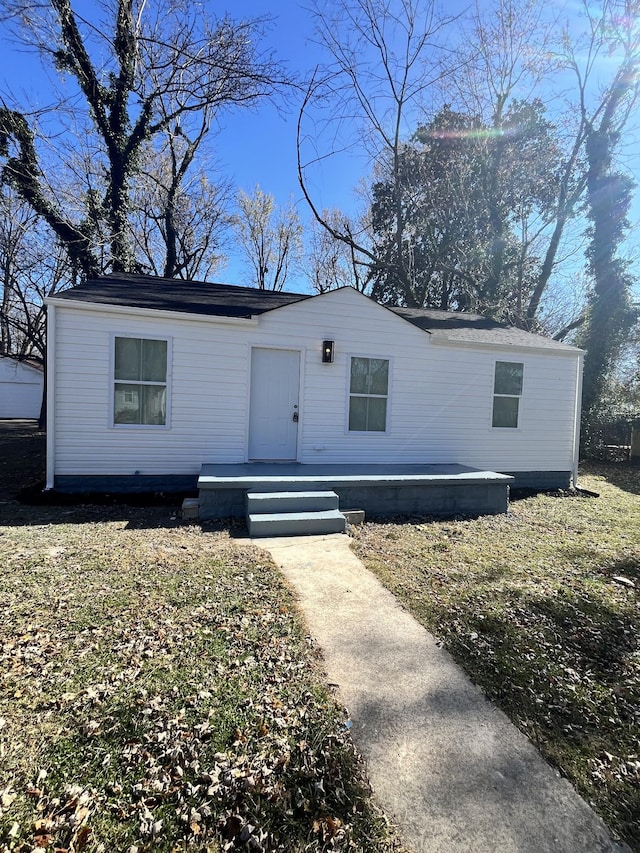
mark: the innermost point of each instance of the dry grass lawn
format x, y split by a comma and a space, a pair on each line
541, 607
158, 691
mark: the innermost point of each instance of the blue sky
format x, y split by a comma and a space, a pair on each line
253, 146
259, 146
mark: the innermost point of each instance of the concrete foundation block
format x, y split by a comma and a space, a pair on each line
354, 517
190, 509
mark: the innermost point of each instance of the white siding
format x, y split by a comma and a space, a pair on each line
440, 396
21, 389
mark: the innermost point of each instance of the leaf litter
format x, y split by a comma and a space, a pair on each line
159, 693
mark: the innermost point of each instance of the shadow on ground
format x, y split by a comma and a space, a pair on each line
16, 514
23, 500
624, 475
22, 456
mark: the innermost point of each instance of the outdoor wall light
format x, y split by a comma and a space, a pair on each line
327, 352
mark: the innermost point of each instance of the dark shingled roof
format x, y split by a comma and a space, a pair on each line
228, 300
430, 320
185, 297
474, 328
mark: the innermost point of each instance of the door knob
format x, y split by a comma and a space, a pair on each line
295, 417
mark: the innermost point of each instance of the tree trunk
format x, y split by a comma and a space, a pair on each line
610, 315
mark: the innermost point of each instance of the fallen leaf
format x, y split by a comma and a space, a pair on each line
623, 581
41, 834
82, 837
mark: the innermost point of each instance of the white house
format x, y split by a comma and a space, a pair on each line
152, 379
21, 388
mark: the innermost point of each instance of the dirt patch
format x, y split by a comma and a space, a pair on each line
23, 472
22, 456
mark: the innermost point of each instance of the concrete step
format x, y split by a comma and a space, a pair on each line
296, 523
258, 502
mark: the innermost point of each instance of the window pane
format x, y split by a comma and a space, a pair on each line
367, 414
154, 361
505, 412
377, 414
379, 376
359, 375
154, 404
140, 404
127, 358
508, 378
357, 414
369, 376
127, 404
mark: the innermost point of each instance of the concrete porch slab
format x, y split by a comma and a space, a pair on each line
381, 490
254, 474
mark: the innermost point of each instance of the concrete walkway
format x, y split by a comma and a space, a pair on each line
445, 764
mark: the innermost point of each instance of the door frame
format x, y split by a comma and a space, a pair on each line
301, 355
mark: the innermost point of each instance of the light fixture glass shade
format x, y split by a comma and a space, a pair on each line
327, 352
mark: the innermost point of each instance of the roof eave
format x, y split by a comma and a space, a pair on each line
161, 313
440, 339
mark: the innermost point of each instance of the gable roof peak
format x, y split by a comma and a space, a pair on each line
214, 299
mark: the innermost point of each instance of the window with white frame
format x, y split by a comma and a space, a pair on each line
368, 394
507, 390
140, 381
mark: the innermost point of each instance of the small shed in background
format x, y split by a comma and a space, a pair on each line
21, 388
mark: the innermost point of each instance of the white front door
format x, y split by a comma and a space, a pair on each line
273, 411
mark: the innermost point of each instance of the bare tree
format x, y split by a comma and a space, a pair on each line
505, 53
33, 265
507, 56
145, 69
381, 62
271, 239
333, 263
512, 52
179, 222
